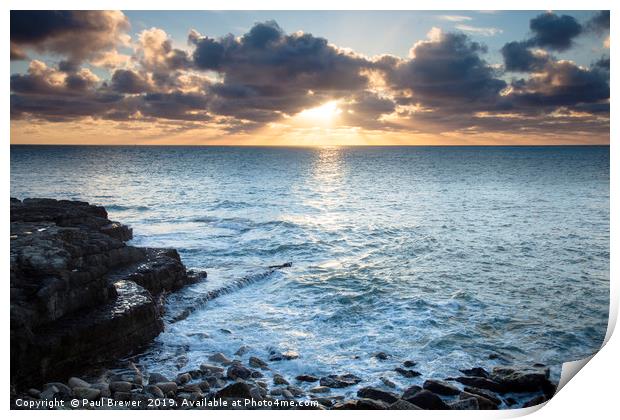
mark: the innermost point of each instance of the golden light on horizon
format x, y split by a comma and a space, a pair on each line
320, 116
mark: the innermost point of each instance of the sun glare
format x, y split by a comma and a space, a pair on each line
321, 115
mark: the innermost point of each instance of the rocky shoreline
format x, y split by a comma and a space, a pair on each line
80, 297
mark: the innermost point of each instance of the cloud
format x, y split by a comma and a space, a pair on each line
447, 69
267, 73
518, 57
454, 18
128, 81
553, 31
561, 83
76, 35
478, 30
239, 84
599, 23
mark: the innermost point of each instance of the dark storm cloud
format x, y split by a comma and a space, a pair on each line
128, 81
75, 34
562, 83
267, 73
446, 70
519, 57
599, 23
553, 31
267, 56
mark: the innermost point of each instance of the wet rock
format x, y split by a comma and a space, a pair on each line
287, 355
86, 393
522, 379
510, 401
215, 382
256, 393
279, 380
428, 400
120, 386
296, 391
122, 396
158, 377
320, 390
466, 404
440, 387
409, 363
34, 393
225, 331
346, 405
183, 378
485, 393
211, 370
326, 402
339, 381
75, 288
104, 389
369, 404
387, 382
220, 358
381, 355
238, 371
477, 371
483, 403
242, 350
411, 391
49, 393
306, 378
535, 401
255, 362
63, 390
407, 373
167, 387
377, 394
287, 394
403, 405
77, 382
483, 383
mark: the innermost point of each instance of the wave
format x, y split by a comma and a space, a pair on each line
231, 287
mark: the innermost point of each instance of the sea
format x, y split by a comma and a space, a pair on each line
452, 257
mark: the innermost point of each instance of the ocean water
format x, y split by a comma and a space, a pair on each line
442, 255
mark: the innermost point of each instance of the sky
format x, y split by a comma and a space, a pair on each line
310, 78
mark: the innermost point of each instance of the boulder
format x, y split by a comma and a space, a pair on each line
236, 390
377, 394
86, 393
440, 387
428, 400
483, 403
483, 383
411, 391
407, 373
485, 393
236, 371
466, 404
255, 362
339, 381
306, 378
523, 379
279, 380
403, 405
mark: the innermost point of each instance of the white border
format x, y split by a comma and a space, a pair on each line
593, 394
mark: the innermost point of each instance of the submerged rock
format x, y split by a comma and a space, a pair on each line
407, 373
339, 381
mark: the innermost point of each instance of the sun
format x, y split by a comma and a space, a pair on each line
322, 115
